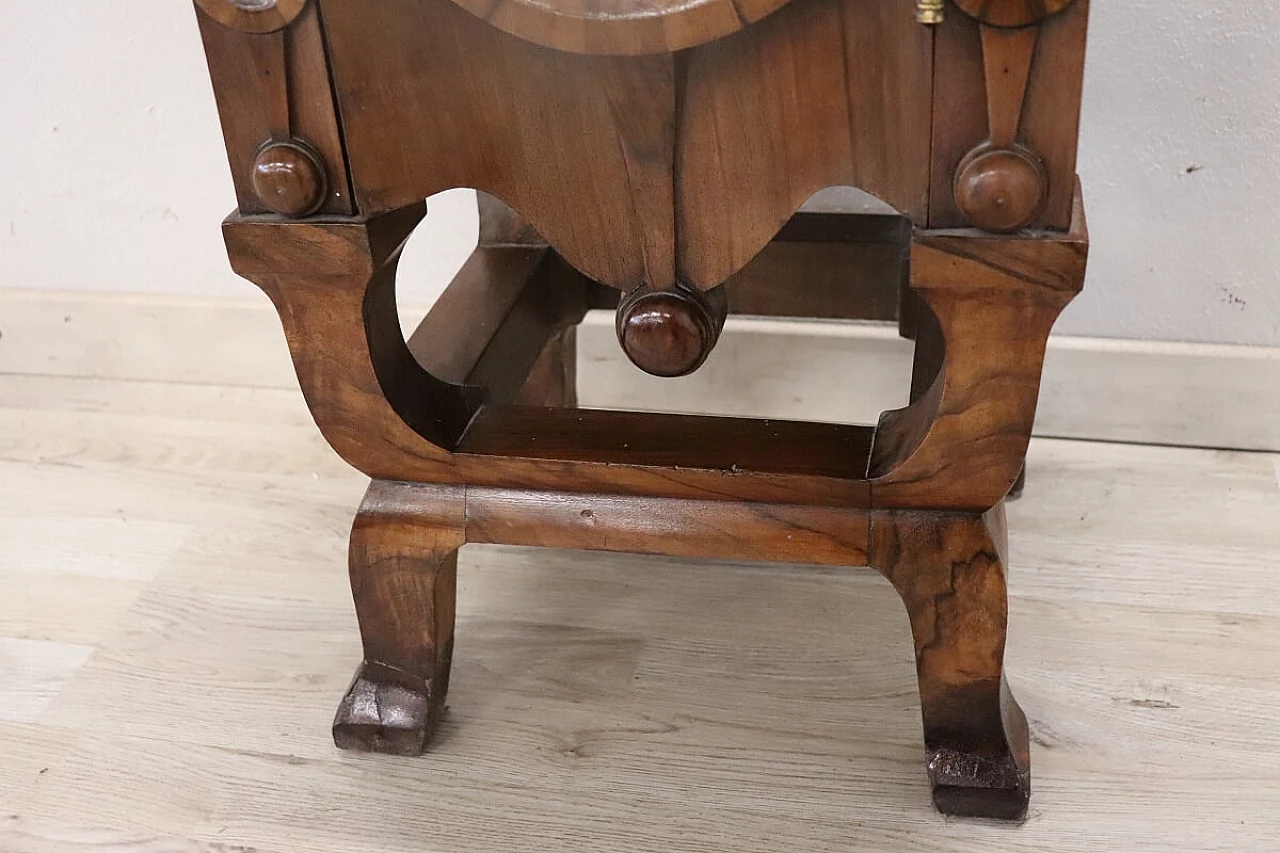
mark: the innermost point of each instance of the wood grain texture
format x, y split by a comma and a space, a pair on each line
1001, 185
553, 379
323, 279
33, 674
536, 127
333, 284
274, 87
660, 175
959, 445
780, 76
626, 28
736, 531
950, 572
548, 133
889, 68
1050, 114
732, 446
313, 111
642, 102
248, 75
410, 421
1007, 57
784, 77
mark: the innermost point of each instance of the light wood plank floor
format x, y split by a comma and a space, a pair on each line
175, 631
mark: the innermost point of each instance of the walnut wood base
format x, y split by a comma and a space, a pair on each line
646, 194
470, 434
949, 569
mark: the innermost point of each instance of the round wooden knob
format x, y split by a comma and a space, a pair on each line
1011, 13
670, 332
289, 179
253, 16
1000, 189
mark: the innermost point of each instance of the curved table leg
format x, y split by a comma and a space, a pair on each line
949, 569
404, 562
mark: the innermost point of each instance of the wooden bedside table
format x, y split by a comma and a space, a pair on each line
660, 154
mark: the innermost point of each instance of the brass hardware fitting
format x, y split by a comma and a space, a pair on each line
931, 12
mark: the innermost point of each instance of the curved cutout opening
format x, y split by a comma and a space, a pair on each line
503, 307
900, 432
434, 408
434, 253
514, 292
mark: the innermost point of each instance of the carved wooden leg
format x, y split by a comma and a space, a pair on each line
404, 561
949, 569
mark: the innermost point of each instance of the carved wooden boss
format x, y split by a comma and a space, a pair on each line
660, 154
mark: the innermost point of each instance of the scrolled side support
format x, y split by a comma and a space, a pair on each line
332, 282
961, 444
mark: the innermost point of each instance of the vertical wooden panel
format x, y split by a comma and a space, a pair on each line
434, 98
890, 66
959, 112
762, 127
275, 86
1050, 115
642, 98
312, 114
249, 85
821, 93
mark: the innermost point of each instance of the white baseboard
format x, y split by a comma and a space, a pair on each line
1110, 390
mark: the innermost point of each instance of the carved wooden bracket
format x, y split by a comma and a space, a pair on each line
445, 418
995, 300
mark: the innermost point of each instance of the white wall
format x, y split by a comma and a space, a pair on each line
1180, 161
112, 175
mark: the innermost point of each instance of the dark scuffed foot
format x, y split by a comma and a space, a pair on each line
389, 712
966, 785
993, 781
